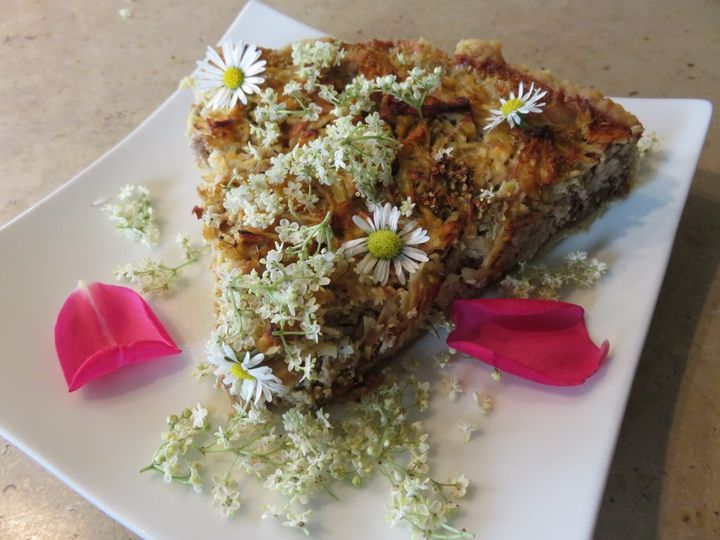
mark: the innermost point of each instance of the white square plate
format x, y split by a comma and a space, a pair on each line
539, 465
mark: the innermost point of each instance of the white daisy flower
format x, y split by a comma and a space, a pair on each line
384, 245
231, 77
511, 108
247, 379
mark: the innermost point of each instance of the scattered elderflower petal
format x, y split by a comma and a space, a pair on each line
442, 153
132, 213
443, 359
202, 370
226, 497
467, 429
199, 413
384, 245
452, 387
511, 108
577, 270
496, 375
484, 402
230, 78
407, 207
156, 277
300, 454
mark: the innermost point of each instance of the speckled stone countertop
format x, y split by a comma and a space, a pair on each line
77, 77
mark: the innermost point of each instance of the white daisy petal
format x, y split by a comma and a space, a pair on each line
366, 265
378, 217
393, 218
408, 264
415, 254
399, 271
215, 58
382, 272
364, 225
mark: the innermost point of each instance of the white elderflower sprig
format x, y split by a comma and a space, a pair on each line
312, 58
467, 429
577, 270
254, 201
266, 135
154, 276
355, 98
171, 458
414, 88
132, 213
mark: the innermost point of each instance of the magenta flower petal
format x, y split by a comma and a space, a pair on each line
541, 340
101, 328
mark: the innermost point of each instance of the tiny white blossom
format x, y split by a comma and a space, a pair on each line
407, 207
199, 413
452, 387
458, 486
511, 108
467, 429
226, 498
442, 152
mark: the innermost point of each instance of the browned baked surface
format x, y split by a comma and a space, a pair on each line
492, 201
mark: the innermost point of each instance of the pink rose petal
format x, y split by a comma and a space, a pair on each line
540, 340
101, 328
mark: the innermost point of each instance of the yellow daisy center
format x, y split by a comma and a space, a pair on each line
510, 106
233, 77
384, 244
241, 373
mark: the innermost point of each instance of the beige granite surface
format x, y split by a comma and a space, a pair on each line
76, 77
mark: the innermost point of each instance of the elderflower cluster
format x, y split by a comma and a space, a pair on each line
537, 280
302, 454
170, 459
355, 98
414, 88
132, 213
313, 57
155, 276
254, 201
282, 295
